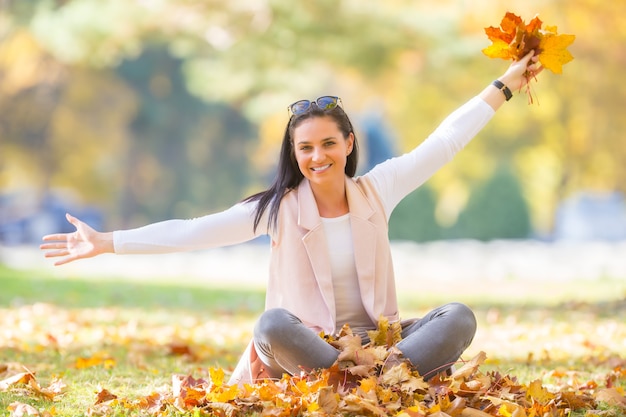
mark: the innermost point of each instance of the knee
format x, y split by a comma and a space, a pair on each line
273, 323
464, 319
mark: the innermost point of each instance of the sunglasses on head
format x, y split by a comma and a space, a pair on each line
323, 103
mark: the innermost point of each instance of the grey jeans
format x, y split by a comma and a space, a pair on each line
432, 343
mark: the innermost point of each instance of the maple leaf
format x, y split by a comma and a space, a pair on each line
553, 50
514, 39
396, 375
353, 357
536, 392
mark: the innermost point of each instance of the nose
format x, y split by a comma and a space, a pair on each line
318, 154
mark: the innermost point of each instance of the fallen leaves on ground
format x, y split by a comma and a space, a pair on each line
369, 380
384, 390
513, 39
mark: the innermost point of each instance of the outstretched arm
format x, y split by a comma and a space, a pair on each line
227, 227
85, 242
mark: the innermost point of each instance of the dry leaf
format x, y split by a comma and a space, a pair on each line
104, 395
470, 367
612, 397
21, 378
514, 39
18, 409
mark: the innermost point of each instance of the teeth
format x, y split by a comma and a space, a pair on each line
320, 168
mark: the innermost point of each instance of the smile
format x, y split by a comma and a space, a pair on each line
322, 168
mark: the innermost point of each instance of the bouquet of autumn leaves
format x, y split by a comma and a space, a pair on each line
514, 39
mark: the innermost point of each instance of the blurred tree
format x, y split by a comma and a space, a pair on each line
496, 210
414, 218
187, 156
419, 60
65, 125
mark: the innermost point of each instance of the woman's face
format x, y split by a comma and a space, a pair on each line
321, 150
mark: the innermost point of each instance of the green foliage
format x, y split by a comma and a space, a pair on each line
414, 218
186, 156
69, 117
495, 210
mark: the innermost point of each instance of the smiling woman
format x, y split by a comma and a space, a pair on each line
331, 259
321, 151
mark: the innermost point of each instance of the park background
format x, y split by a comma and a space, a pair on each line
125, 113
128, 112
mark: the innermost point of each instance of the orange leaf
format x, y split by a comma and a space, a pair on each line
21, 378
104, 395
514, 39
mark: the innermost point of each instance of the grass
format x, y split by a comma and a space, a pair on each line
136, 335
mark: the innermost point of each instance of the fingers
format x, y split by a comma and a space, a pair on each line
58, 245
56, 237
52, 246
73, 220
62, 236
530, 55
65, 260
57, 253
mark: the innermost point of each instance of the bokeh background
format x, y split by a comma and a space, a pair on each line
124, 112
127, 112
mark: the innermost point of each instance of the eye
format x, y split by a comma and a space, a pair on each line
329, 143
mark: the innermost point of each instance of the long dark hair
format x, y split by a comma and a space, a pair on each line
289, 175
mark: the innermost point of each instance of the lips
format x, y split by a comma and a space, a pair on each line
322, 168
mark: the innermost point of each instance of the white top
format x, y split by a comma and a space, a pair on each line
348, 303
392, 179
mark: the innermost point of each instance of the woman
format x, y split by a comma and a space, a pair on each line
330, 261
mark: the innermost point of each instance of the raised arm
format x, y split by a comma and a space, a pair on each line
397, 177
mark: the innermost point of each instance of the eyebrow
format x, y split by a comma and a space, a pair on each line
323, 140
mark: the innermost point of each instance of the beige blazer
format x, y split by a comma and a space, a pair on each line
300, 276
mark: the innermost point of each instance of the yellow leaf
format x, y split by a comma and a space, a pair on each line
538, 393
224, 395
504, 411
554, 53
498, 49
367, 384
313, 407
217, 376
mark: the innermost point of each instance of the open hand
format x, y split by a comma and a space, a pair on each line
85, 242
